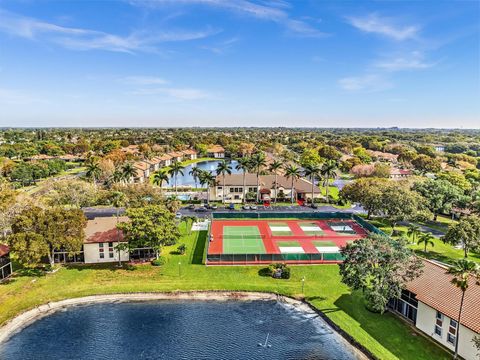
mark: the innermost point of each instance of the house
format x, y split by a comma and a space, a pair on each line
383, 156
144, 167
131, 149
398, 174
165, 160
101, 239
216, 151
432, 304
154, 165
189, 154
5, 263
234, 189
139, 176
439, 148
176, 156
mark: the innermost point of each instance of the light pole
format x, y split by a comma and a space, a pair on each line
179, 272
303, 284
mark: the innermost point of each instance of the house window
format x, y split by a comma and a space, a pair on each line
438, 324
452, 332
219, 188
231, 190
110, 244
110, 254
100, 245
102, 255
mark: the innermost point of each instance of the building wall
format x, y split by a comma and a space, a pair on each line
92, 253
426, 321
217, 194
218, 155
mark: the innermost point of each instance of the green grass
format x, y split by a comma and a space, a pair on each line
385, 335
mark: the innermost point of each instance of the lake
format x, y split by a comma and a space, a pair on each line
179, 329
211, 165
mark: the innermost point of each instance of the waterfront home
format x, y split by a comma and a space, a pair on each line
176, 156
144, 167
5, 263
189, 154
432, 304
101, 240
165, 160
216, 151
398, 174
234, 190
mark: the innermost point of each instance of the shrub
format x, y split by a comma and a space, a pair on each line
285, 272
159, 262
182, 249
277, 271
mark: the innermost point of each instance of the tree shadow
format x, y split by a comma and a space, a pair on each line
199, 249
265, 272
107, 266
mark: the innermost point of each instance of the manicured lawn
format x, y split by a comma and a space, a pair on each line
384, 335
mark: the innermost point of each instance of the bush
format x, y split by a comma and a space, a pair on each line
159, 262
285, 272
182, 249
399, 233
278, 271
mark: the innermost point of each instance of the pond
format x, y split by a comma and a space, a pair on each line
187, 180
179, 329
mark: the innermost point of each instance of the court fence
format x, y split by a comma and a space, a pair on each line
225, 259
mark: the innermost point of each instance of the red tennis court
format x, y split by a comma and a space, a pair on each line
291, 241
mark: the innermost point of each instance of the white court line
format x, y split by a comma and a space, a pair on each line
310, 228
341, 228
291, 250
279, 228
328, 249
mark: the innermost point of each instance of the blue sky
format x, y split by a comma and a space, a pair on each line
240, 63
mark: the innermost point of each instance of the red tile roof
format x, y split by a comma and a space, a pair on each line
4, 250
434, 288
141, 165
215, 149
103, 229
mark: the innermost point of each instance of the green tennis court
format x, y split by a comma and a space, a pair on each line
242, 240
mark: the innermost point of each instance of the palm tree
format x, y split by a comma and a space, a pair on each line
258, 162
194, 173
207, 178
175, 169
462, 272
128, 172
117, 176
243, 165
223, 168
159, 177
292, 172
274, 167
118, 200
93, 171
413, 232
426, 239
314, 172
329, 171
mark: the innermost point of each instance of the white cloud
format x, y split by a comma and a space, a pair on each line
365, 83
143, 80
413, 61
385, 26
275, 11
85, 39
177, 93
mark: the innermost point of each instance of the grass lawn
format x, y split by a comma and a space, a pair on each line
384, 335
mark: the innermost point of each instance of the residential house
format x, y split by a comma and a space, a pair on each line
101, 239
383, 156
154, 165
432, 304
176, 156
189, 154
216, 151
165, 160
144, 167
131, 149
398, 174
234, 189
5, 263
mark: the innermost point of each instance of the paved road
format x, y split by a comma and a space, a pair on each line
91, 213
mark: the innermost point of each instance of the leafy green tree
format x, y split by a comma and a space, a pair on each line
223, 168
93, 171
258, 162
292, 172
70, 192
380, 267
441, 195
150, 226
175, 169
367, 192
426, 239
456, 179
466, 233
37, 233
310, 157
425, 163
159, 178
243, 165
465, 272
328, 171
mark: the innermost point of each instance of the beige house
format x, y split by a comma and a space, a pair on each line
216, 151
176, 156
432, 303
234, 190
101, 240
189, 154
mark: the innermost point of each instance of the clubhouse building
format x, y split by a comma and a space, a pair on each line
234, 190
431, 303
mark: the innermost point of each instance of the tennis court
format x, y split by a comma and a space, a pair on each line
247, 241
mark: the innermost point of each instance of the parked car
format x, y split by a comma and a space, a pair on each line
253, 207
191, 207
211, 207
178, 215
231, 206
246, 207
201, 209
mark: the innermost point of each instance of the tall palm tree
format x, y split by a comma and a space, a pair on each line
426, 239
159, 177
462, 271
292, 172
258, 162
175, 169
223, 168
194, 173
243, 165
93, 171
329, 171
313, 172
128, 172
207, 178
274, 167
413, 232
117, 176
119, 200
